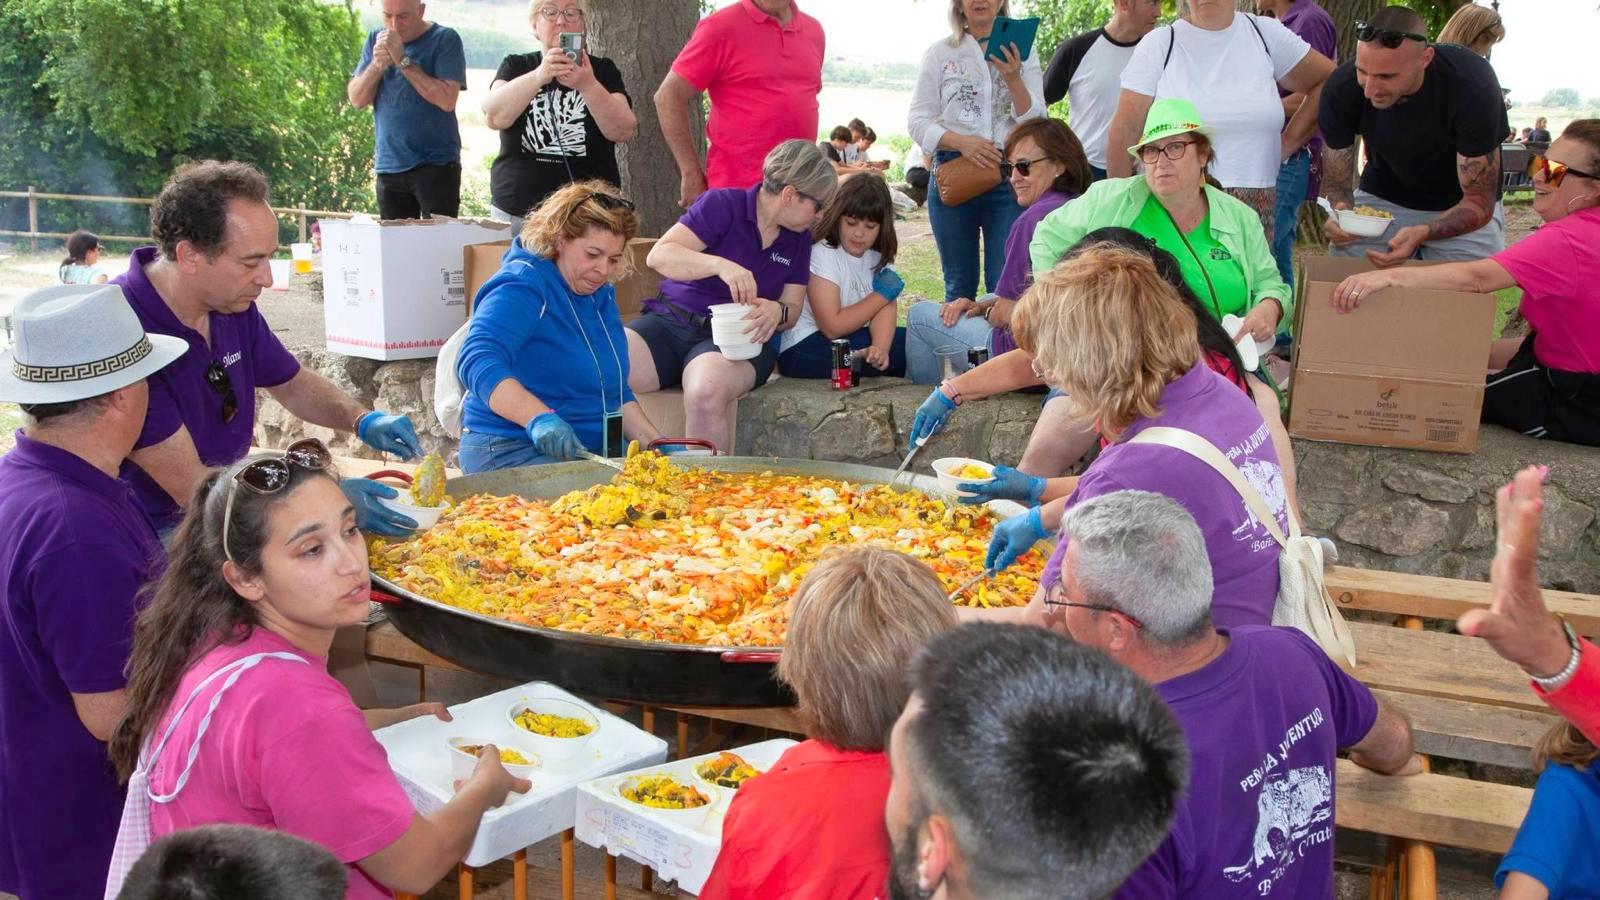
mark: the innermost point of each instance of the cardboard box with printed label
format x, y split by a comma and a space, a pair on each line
396, 289
483, 260
1405, 369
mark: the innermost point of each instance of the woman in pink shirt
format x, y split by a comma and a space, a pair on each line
1549, 386
266, 566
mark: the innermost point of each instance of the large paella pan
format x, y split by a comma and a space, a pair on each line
527, 613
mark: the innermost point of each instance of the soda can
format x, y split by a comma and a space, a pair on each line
977, 356
841, 364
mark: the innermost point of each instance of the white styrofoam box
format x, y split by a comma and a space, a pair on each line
678, 849
419, 753
396, 290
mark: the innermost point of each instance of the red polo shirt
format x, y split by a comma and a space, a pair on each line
763, 79
811, 827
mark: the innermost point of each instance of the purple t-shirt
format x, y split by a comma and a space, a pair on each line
1264, 721
74, 553
180, 397
1017, 273
1244, 556
1314, 26
725, 221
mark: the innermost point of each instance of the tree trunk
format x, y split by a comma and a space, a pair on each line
1345, 14
643, 38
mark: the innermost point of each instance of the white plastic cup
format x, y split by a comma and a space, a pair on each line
300, 254
280, 274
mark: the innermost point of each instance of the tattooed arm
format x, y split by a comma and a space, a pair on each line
1479, 175
1338, 185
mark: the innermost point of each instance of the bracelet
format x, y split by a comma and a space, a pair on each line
950, 392
1562, 677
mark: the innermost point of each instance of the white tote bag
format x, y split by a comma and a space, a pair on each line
448, 391
133, 836
1303, 601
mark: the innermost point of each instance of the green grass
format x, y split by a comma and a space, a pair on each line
918, 263
1505, 303
10, 421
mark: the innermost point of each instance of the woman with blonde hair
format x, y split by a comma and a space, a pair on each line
545, 360
812, 826
1477, 28
1110, 331
1552, 856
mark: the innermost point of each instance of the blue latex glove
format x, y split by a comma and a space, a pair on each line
1008, 484
888, 283
931, 415
389, 434
1012, 538
372, 516
553, 436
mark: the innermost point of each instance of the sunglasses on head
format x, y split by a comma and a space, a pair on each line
272, 474
1021, 165
1388, 37
1554, 172
217, 379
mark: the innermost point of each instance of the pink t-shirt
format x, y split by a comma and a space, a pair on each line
1559, 299
763, 79
286, 749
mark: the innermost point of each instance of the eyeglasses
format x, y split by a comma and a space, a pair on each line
1174, 151
271, 475
1098, 607
570, 14
1554, 172
217, 379
1388, 37
1020, 165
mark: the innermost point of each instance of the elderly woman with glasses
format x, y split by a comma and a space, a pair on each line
544, 364
1549, 384
750, 247
560, 115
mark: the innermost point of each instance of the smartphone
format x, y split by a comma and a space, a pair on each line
572, 44
615, 444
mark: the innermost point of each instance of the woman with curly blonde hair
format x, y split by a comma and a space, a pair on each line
1105, 327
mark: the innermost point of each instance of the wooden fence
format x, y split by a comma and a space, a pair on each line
301, 216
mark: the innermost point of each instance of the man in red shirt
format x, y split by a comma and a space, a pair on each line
761, 62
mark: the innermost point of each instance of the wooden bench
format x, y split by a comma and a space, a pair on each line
1428, 597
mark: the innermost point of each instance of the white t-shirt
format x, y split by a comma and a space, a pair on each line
1090, 65
1233, 81
853, 275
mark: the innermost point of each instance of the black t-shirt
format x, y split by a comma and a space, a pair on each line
1411, 147
547, 138
830, 151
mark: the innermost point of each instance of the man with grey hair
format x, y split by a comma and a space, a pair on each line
1264, 709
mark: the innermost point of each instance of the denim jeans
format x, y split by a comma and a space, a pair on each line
484, 452
1096, 173
926, 335
813, 356
956, 230
1294, 178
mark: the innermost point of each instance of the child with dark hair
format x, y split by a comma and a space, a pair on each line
1552, 855
852, 291
82, 265
234, 862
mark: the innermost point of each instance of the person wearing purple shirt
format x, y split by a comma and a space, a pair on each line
215, 234
75, 553
750, 247
1297, 176
1264, 710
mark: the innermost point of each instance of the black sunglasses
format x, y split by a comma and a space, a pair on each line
271, 475
1388, 37
603, 200
221, 385
1021, 165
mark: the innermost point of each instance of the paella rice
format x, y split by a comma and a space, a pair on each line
683, 554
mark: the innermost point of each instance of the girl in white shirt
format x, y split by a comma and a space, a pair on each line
852, 291
966, 105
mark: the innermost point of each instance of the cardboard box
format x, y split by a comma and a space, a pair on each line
395, 289
483, 260
1405, 369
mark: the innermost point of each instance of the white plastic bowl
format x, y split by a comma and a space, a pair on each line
425, 516
740, 351
703, 782
944, 469
1362, 226
462, 763
552, 748
689, 818
730, 310
731, 333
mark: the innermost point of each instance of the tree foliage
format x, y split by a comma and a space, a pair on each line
107, 96
1561, 97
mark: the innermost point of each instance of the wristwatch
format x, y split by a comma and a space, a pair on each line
785, 316
1562, 677
406, 62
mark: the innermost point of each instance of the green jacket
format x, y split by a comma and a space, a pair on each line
1118, 201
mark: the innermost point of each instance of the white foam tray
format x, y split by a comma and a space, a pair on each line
679, 850
420, 756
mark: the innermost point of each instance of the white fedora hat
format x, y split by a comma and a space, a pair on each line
75, 341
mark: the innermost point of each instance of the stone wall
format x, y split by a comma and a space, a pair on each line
1398, 510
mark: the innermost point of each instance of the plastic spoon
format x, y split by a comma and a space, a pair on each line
970, 582
597, 458
907, 461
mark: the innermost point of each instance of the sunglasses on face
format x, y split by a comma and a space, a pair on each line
1388, 37
217, 379
1021, 165
271, 475
1554, 172
1174, 151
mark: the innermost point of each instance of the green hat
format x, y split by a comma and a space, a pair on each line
1167, 117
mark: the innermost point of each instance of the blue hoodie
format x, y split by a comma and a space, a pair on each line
527, 324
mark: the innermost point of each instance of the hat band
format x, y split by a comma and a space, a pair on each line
1171, 126
83, 371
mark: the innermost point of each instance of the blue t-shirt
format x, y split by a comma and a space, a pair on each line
1557, 841
725, 221
567, 349
411, 131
